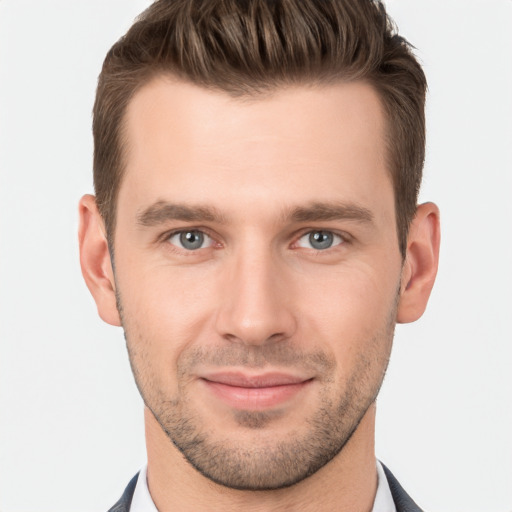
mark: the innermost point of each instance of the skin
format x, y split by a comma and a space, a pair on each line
258, 176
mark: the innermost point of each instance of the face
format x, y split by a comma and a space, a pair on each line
257, 272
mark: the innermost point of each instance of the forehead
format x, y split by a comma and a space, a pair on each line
302, 143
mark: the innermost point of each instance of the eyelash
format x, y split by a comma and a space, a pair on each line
345, 239
166, 237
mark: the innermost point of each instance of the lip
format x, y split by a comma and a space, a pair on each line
255, 392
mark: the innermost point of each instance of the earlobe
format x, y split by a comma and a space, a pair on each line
420, 267
95, 260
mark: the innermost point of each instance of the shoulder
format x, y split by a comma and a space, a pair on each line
123, 505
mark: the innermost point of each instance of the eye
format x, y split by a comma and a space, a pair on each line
190, 240
320, 240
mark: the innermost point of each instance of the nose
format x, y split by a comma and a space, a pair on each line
256, 306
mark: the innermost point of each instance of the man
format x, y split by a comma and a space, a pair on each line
256, 233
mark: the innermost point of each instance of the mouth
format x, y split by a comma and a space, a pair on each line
255, 392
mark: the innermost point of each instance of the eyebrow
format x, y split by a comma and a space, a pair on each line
331, 211
164, 211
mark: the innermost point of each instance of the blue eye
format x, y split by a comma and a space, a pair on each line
190, 240
320, 240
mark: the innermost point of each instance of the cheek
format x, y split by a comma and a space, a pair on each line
351, 310
164, 313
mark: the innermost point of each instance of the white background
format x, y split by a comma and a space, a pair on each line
71, 430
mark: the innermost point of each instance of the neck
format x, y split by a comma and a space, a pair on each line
347, 483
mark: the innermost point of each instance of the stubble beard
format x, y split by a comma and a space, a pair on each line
266, 464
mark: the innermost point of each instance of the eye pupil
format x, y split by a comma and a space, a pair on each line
191, 239
321, 239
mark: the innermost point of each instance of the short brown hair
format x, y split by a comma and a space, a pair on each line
245, 47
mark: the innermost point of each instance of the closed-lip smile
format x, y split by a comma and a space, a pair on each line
255, 391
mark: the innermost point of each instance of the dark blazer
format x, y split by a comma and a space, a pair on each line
403, 502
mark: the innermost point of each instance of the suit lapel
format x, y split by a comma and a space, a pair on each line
123, 505
403, 502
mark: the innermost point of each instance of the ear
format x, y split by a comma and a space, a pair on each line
95, 260
421, 261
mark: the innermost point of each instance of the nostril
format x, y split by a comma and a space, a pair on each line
252, 338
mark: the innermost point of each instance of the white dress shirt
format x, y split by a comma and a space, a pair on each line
142, 501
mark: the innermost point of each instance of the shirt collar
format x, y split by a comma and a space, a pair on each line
142, 501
